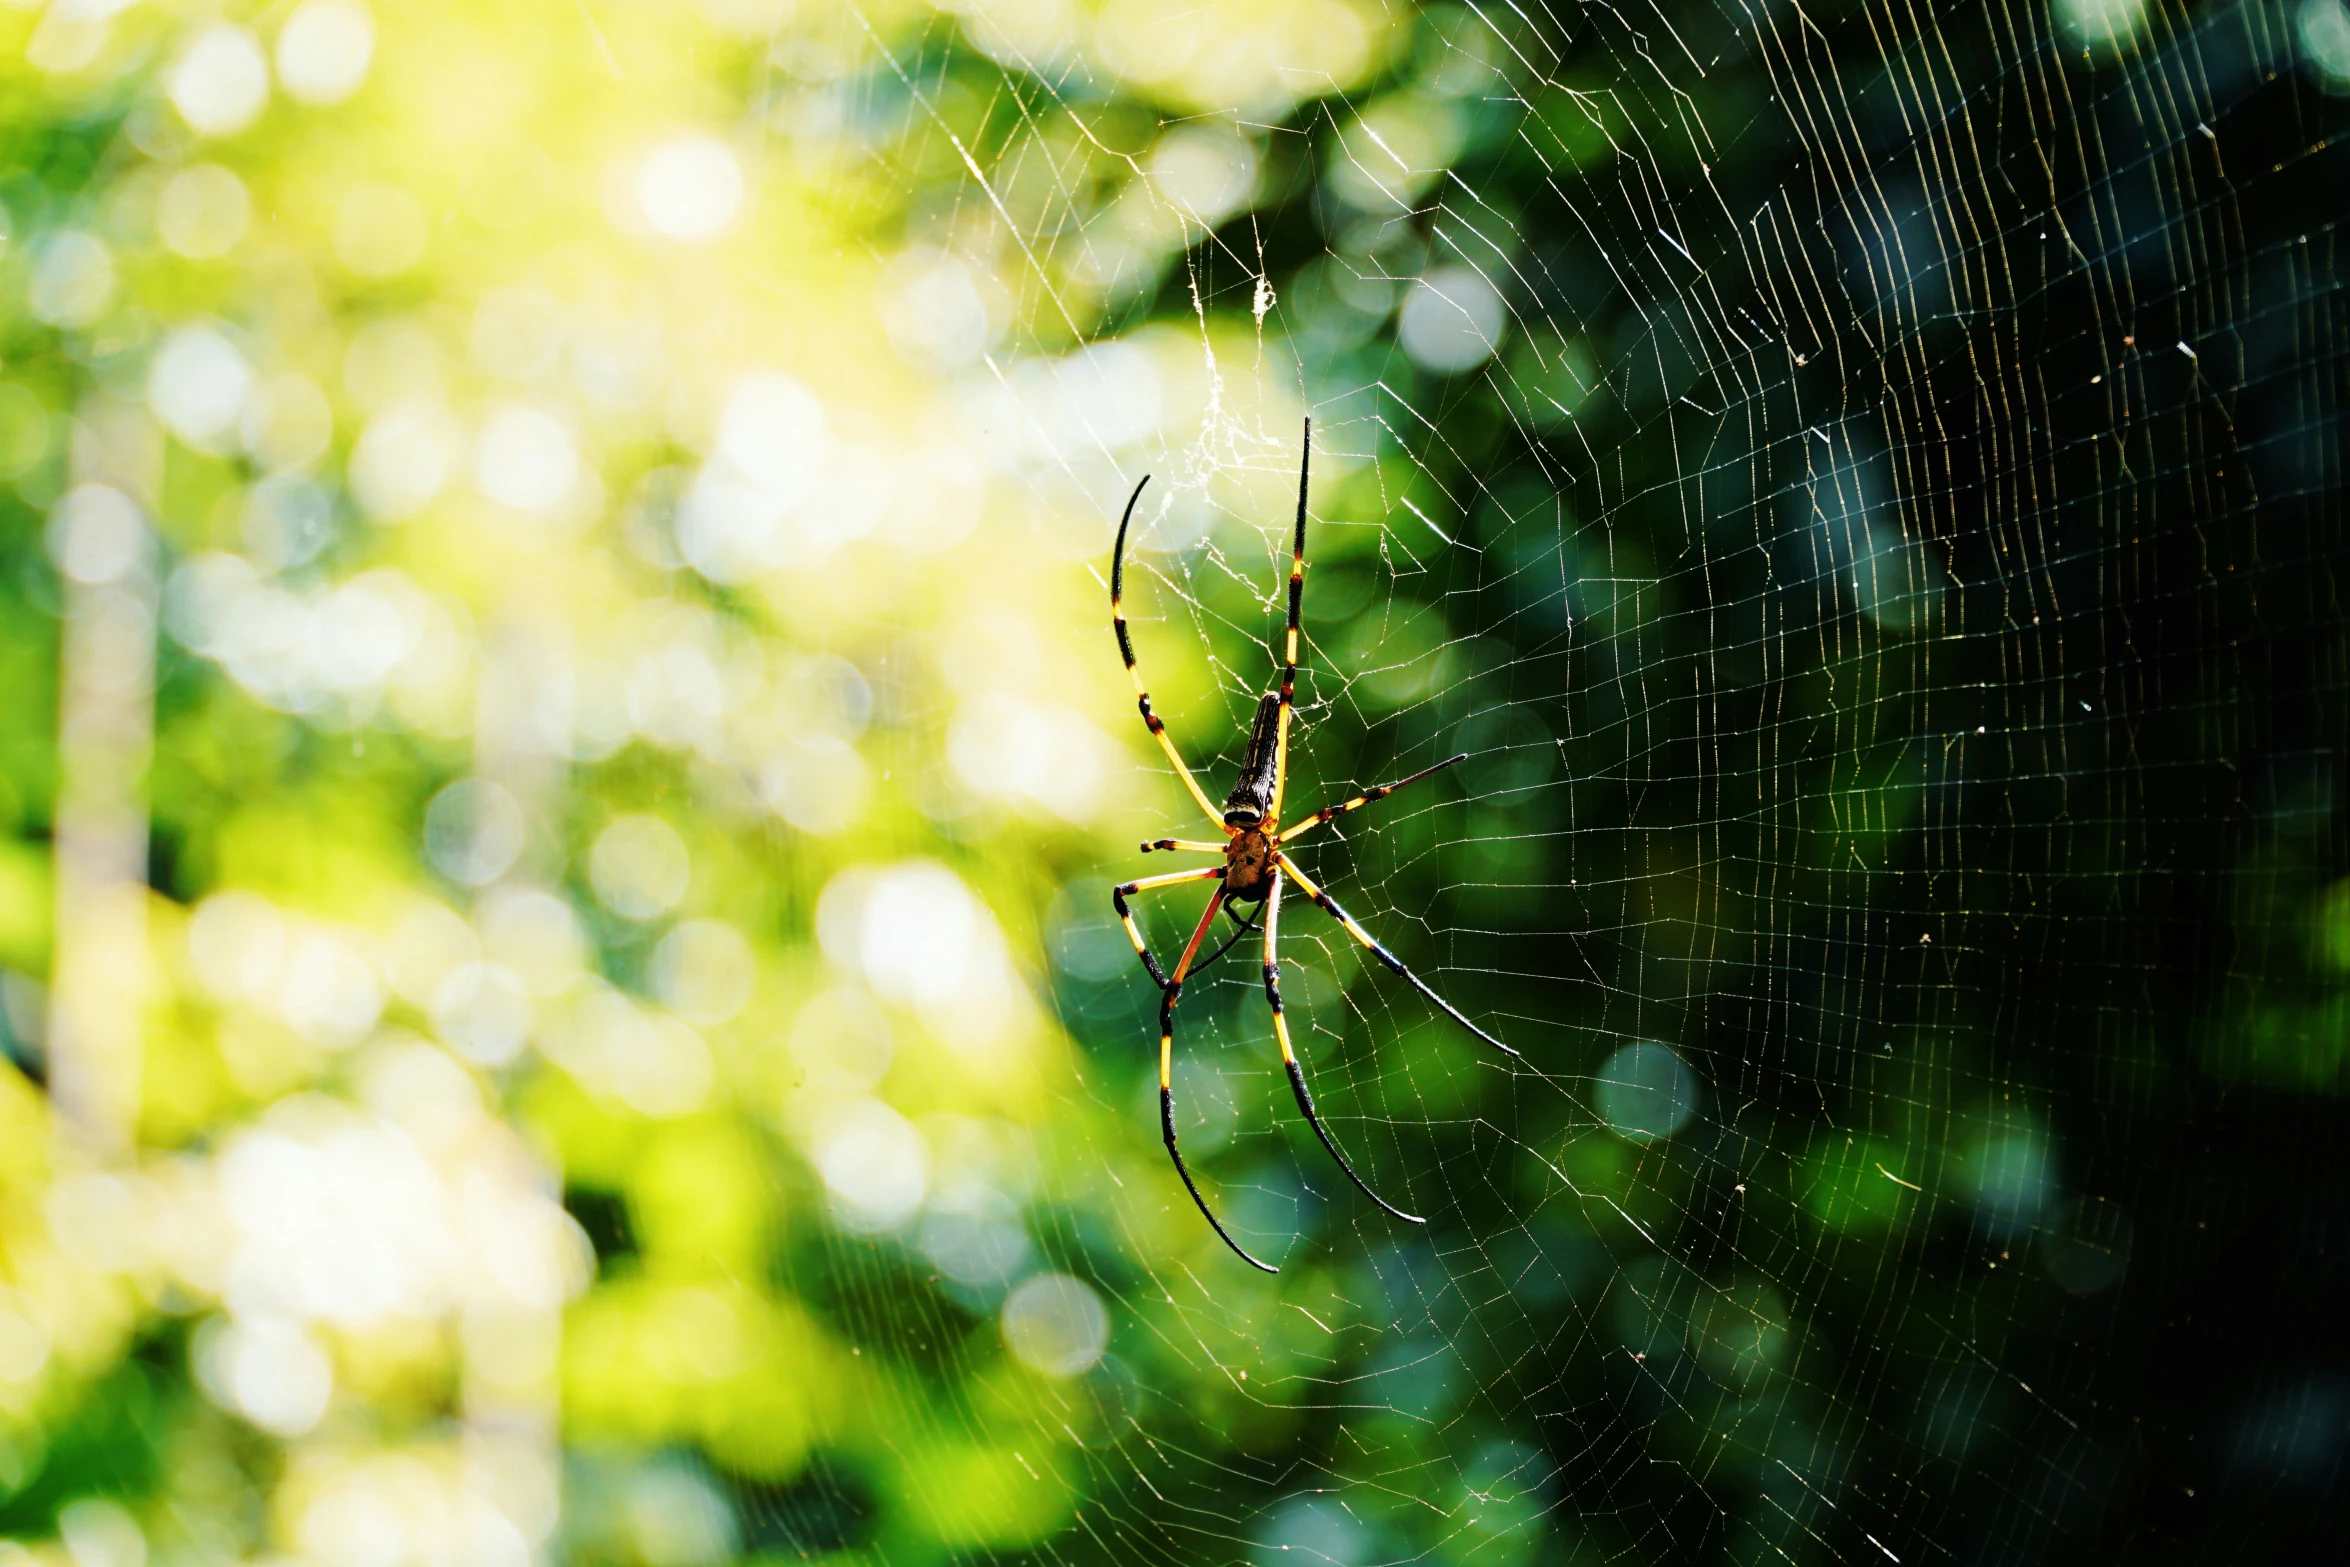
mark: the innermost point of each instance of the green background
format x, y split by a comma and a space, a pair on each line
631, 1057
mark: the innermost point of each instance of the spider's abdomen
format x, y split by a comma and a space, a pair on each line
1252, 797
1248, 867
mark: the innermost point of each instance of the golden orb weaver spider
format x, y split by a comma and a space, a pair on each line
1255, 862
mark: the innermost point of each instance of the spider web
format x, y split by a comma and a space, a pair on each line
1861, 486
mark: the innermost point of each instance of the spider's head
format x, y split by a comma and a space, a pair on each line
1251, 798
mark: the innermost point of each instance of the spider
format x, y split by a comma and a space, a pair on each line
1255, 863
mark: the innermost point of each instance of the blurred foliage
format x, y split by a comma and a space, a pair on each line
562, 773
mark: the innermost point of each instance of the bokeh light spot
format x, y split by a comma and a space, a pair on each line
703, 971
2101, 26
203, 211
875, 1166
935, 309
1646, 1092
1451, 320
96, 534
640, 867
402, 460
529, 459
275, 1375
73, 279
2012, 1177
1312, 1531
1056, 1324
691, 189
288, 422
221, 84
324, 48
2323, 27
197, 385
473, 831
483, 1010
1206, 172
101, 1533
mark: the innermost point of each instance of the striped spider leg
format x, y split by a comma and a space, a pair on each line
1371, 796
1297, 1073
1142, 696
1170, 992
1297, 596
1370, 944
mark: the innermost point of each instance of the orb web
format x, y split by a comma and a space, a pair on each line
1861, 487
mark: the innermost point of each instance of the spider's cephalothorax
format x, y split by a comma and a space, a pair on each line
1255, 862
1248, 866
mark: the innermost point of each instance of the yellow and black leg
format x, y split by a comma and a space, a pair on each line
1168, 996
1297, 1073
1142, 696
1367, 797
1329, 906
1297, 594
1119, 895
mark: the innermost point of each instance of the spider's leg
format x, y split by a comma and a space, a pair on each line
1297, 1073
1142, 696
1330, 907
1185, 845
1168, 996
1367, 797
1119, 895
1297, 596
1231, 941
